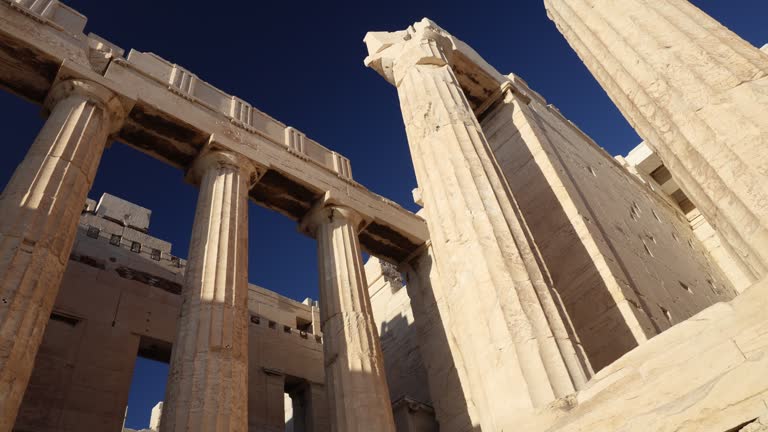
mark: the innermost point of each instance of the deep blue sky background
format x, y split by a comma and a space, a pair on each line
301, 62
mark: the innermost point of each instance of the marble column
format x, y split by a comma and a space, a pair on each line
208, 380
39, 211
355, 381
502, 315
697, 93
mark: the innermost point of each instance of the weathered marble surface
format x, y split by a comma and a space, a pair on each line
646, 165
358, 397
618, 254
503, 314
697, 93
707, 374
39, 211
208, 379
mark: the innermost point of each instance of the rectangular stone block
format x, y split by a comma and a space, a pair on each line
123, 212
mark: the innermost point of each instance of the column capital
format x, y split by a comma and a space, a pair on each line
326, 211
108, 100
506, 93
391, 54
210, 159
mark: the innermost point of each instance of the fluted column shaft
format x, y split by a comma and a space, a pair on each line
697, 93
39, 211
208, 380
501, 309
355, 381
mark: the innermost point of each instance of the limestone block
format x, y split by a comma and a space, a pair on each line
191, 87
90, 206
106, 227
102, 253
154, 319
123, 212
80, 296
101, 52
290, 353
59, 13
157, 414
286, 312
147, 242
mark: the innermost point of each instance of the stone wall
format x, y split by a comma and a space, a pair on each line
119, 301
105, 310
648, 167
625, 263
406, 374
284, 311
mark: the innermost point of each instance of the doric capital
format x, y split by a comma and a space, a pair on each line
325, 211
391, 54
108, 100
217, 159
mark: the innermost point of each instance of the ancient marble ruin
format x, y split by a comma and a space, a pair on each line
545, 285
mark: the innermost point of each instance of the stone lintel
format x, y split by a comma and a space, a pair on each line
273, 372
174, 127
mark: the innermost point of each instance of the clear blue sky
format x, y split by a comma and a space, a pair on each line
301, 62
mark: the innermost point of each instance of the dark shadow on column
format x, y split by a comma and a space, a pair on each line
412, 404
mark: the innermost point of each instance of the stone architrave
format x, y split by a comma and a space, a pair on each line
355, 381
39, 211
208, 379
512, 341
697, 93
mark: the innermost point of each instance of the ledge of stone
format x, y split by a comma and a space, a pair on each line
709, 373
